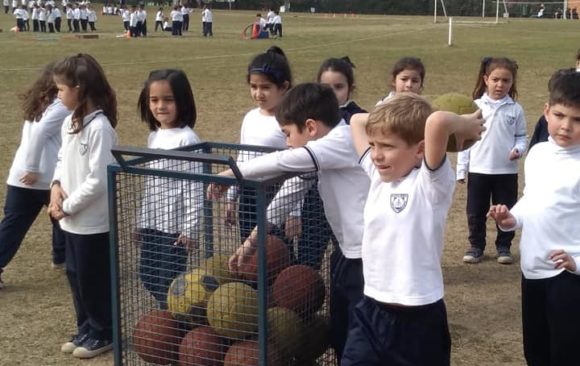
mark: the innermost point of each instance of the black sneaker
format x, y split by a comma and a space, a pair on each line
74, 342
92, 347
473, 255
504, 256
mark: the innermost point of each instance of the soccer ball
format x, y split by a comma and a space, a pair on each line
232, 310
188, 295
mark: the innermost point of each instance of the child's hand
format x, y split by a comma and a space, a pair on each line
471, 128
57, 195
189, 244
502, 216
241, 256
293, 227
515, 154
563, 260
216, 191
231, 213
29, 178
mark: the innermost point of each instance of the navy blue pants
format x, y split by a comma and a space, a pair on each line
88, 270
315, 231
247, 218
551, 320
346, 290
481, 188
21, 208
161, 261
384, 335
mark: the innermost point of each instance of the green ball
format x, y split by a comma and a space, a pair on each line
232, 310
459, 104
316, 339
286, 330
188, 295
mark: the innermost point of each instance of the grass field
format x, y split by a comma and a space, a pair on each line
482, 300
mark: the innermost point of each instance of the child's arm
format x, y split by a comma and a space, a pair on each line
520, 138
440, 125
359, 134
462, 165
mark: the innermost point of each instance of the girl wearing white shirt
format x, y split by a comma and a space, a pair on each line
159, 19
176, 20
92, 18
27, 189
167, 226
492, 163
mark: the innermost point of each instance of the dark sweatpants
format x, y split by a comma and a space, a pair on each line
385, 335
88, 270
481, 188
551, 320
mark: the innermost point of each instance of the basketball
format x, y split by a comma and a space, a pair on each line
156, 338
459, 104
277, 259
232, 310
246, 353
299, 288
201, 347
188, 295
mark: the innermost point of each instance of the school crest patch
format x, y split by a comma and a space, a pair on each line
511, 120
83, 149
399, 201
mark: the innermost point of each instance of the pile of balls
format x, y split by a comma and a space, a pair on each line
212, 316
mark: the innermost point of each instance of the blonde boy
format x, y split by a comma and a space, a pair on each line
401, 319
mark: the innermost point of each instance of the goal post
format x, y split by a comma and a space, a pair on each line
440, 4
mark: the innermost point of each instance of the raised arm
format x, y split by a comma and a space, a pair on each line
359, 136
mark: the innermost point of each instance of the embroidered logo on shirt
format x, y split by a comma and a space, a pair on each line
511, 120
399, 201
83, 149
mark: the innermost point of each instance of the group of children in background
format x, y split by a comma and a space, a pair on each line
46, 16
383, 182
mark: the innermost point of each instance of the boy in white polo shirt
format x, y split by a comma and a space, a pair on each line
549, 213
401, 319
319, 141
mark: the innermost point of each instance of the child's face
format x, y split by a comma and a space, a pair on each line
265, 93
408, 80
393, 157
162, 103
69, 96
295, 138
563, 124
498, 82
338, 83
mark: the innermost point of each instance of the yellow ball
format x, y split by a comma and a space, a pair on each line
188, 294
459, 104
217, 266
232, 310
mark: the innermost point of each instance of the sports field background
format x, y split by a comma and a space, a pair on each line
36, 313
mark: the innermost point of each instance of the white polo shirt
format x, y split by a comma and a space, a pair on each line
342, 184
404, 233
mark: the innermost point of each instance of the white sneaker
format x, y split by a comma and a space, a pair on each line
92, 348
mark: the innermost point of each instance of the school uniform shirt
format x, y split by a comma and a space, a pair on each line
82, 172
159, 16
262, 22
14, 4
208, 16
18, 13
56, 13
505, 125
133, 19
50, 18
70, 13
176, 16
270, 16
342, 184
171, 205
277, 19
259, 130
549, 210
126, 15
389, 96
76, 14
25, 15
404, 224
83, 14
34, 15
39, 147
91, 15
141, 16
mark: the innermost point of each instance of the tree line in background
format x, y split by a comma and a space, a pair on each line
392, 7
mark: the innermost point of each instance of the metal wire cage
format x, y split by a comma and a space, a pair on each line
175, 300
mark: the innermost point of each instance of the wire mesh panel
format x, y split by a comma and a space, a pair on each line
176, 299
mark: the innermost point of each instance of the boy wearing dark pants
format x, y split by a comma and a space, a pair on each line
402, 319
548, 214
321, 142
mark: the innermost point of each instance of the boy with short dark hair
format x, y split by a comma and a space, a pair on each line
402, 319
320, 141
548, 213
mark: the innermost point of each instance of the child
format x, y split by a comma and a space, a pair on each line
407, 75
142, 21
207, 20
28, 182
185, 10
338, 74
541, 130
320, 141
78, 198
548, 214
491, 164
166, 26
70, 14
19, 15
50, 18
401, 319
269, 78
34, 17
83, 17
76, 18
166, 104
126, 16
176, 20
133, 22
57, 18
92, 18
277, 24
42, 15
159, 19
